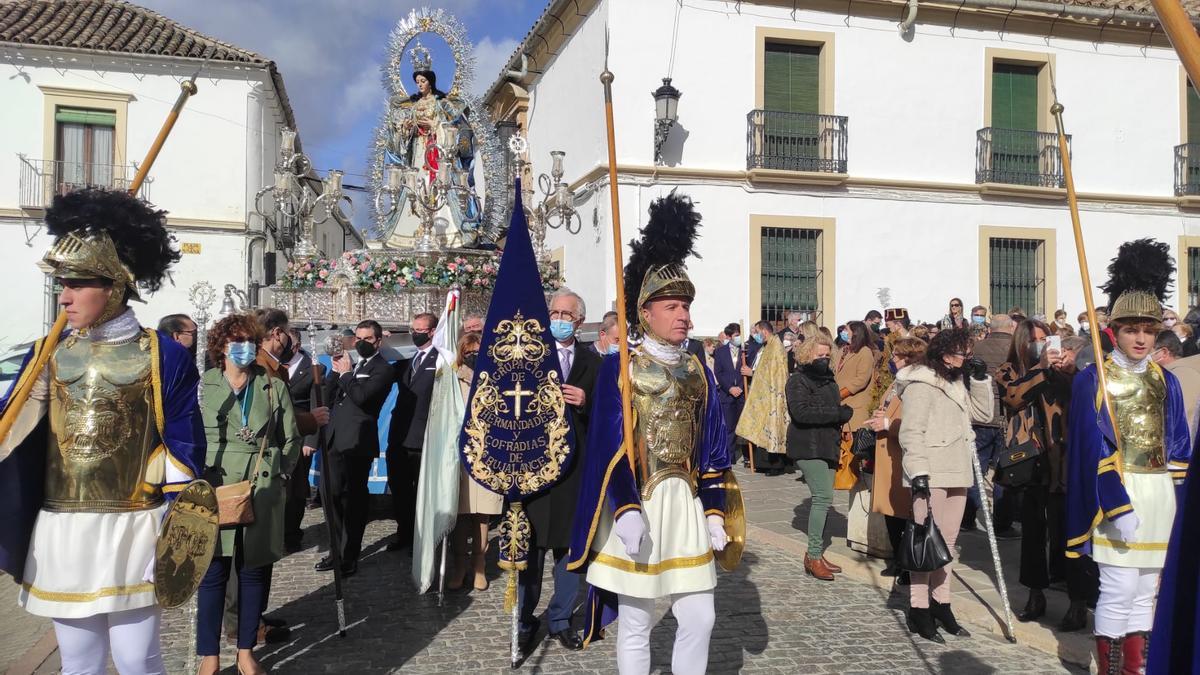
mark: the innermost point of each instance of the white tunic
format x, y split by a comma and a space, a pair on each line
675, 557
1153, 498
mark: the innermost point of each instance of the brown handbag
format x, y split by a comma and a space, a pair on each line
235, 502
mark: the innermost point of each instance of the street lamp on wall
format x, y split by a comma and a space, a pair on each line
666, 112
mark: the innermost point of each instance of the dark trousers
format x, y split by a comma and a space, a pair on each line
731, 410
895, 530
296, 501
1044, 544
566, 586
349, 507
403, 471
210, 604
989, 443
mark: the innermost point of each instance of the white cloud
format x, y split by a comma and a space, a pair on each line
490, 57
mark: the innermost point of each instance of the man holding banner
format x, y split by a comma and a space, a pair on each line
652, 507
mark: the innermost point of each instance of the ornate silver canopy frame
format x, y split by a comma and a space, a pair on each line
490, 154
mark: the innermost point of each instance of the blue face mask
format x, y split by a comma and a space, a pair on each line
737, 341
845, 336
977, 319
613, 349
562, 330
241, 353
758, 338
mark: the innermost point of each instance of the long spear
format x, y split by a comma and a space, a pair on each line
606, 78
187, 90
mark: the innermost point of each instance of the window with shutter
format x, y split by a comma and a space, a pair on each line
1017, 275
1014, 122
1193, 267
84, 148
791, 99
790, 272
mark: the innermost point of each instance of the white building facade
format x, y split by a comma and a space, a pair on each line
842, 165
85, 100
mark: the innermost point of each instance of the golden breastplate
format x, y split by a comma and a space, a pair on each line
102, 429
1140, 400
668, 400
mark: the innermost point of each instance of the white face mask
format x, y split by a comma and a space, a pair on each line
1169, 323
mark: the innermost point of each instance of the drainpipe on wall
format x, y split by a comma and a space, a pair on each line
518, 75
910, 17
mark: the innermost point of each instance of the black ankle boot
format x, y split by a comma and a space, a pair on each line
1035, 608
1075, 618
920, 621
944, 616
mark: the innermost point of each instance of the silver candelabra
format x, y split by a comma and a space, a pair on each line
293, 198
557, 207
425, 197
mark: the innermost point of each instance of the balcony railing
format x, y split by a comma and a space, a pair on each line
42, 179
795, 141
1187, 170
1018, 157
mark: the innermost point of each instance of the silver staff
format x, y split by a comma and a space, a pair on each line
991, 533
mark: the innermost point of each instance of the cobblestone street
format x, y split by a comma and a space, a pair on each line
771, 618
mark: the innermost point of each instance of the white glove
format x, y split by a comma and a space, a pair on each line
1127, 525
148, 575
716, 532
631, 530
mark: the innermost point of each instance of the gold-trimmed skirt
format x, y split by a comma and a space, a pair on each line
676, 555
81, 564
1153, 498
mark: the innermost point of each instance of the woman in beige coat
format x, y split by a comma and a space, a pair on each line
476, 504
938, 444
889, 495
855, 373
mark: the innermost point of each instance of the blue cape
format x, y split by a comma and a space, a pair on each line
178, 422
1095, 489
1177, 617
608, 480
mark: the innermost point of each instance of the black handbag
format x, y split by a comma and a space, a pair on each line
862, 445
922, 548
1019, 463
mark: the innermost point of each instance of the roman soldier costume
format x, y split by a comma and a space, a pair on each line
109, 435
1122, 472
672, 486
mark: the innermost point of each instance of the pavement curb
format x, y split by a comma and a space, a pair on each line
1072, 648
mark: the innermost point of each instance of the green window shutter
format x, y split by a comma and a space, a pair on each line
791, 78
1193, 115
790, 271
1014, 96
98, 118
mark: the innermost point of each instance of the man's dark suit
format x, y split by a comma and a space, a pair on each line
552, 513
696, 348
406, 437
727, 369
355, 399
300, 386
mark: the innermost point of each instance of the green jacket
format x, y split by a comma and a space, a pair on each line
230, 459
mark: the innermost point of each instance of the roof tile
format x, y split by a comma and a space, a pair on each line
110, 25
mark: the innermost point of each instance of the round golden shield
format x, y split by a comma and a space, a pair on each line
735, 524
186, 544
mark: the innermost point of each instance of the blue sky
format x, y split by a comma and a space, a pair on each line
330, 54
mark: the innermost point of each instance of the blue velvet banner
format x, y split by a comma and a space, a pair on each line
516, 439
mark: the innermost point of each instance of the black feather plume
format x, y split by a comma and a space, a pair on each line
138, 230
1141, 265
669, 238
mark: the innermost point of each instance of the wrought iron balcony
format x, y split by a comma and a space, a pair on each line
1187, 170
42, 179
796, 141
1018, 157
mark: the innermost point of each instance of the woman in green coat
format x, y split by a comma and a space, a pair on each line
246, 412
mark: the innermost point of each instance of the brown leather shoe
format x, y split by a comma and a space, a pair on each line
817, 568
836, 569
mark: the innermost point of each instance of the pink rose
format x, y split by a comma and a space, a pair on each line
404, 282
323, 274
392, 266
452, 267
320, 284
378, 285
363, 267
